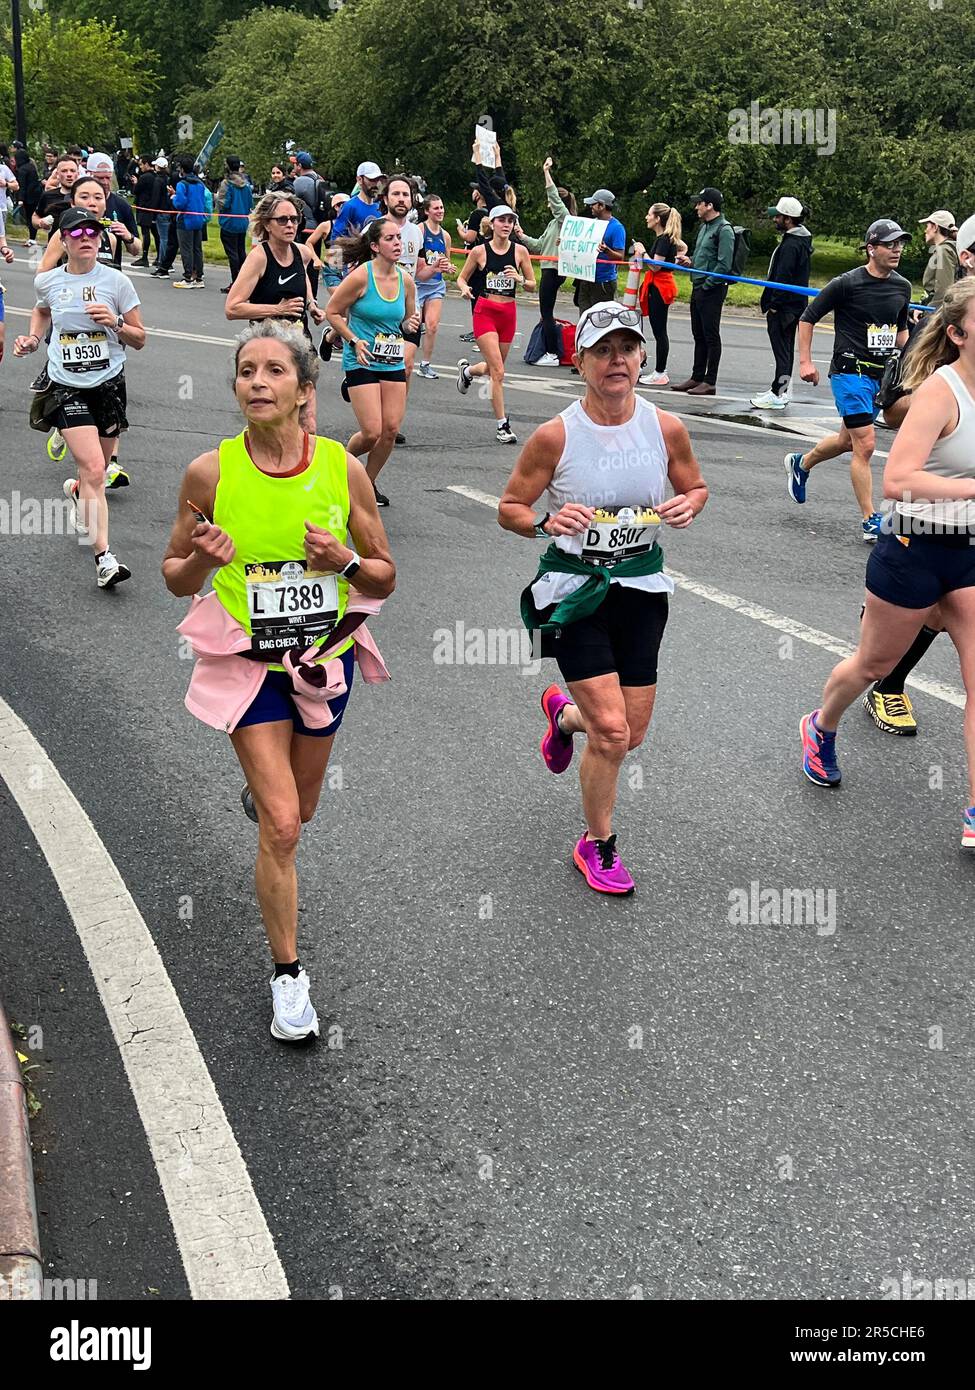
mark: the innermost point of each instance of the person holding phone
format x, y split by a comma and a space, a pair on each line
285, 523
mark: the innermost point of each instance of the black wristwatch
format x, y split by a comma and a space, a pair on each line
352, 568
540, 530
119, 323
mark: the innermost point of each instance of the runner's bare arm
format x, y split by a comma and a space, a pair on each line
377, 576
684, 472
239, 305
30, 341
53, 252
475, 261
196, 548
531, 476
341, 300
933, 412
524, 262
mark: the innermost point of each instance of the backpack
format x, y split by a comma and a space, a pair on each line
743, 246
323, 202
536, 345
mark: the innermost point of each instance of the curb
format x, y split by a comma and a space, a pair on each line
20, 1247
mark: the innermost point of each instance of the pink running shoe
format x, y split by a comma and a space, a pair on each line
602, 866
556, 746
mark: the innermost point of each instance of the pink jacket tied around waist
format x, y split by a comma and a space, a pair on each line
224, 684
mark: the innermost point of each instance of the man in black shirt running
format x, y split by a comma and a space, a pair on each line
869, 307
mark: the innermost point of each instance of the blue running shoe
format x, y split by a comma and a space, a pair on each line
968, 829
798, 477
818, 753
872, 528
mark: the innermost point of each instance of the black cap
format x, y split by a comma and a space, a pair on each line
709, 195
78, 217
233, 163
886, 231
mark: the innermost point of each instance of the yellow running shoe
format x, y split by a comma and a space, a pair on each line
56, 446
892, 713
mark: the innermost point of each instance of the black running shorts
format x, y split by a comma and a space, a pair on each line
622, 636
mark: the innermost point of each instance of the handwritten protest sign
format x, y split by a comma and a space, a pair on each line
579, 247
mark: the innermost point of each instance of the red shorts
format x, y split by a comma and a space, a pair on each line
496, 316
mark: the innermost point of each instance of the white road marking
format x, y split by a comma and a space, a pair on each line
223, 1238
950, 694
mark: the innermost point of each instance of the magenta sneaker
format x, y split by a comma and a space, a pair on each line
556, 746
602, 866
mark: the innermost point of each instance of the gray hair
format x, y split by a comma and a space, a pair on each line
291, 336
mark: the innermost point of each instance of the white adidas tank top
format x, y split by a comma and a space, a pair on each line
952, 456
621, 470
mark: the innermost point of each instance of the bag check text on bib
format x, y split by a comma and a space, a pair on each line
614, 536
290, 606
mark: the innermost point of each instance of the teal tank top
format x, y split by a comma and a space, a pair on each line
376, 320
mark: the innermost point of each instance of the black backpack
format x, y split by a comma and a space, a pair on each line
743, 246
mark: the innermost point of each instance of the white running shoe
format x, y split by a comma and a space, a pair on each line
110, 572
768, 400
548, 359
506, 434
655, 379
425, 370
294, 1014
70, 489
463, 380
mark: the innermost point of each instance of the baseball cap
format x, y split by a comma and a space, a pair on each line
601, 195
78, 217
98, 161
500, 210
595, 322
304, 159
161, 163
965, 240
942, 218
885, 231
709, 195
788, 207
368, 170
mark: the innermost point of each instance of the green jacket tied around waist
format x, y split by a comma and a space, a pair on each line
587, 598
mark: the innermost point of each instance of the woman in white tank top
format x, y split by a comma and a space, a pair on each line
924, 563
603, 468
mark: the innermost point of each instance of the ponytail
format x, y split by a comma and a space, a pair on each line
933, 348
670, 220
357, 250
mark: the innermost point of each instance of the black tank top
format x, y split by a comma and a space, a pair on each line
279, 282
495, 280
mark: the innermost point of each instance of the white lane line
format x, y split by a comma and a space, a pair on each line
223, 1238
950, 694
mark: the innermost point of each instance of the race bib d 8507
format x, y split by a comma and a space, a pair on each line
290, 606
387, 347
83, 352
614, 536
881, 337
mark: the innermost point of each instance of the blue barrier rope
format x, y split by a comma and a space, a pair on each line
747, 280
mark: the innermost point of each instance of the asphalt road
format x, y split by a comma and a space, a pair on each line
540, 1093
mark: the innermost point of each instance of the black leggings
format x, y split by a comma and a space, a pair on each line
548, 288
657, 314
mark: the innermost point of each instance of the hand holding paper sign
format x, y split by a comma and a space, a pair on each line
485, 147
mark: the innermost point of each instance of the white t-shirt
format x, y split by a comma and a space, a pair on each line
7, 175
81, 352
412, 244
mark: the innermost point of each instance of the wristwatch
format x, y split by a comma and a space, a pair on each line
352, 568
119, 323
540, 530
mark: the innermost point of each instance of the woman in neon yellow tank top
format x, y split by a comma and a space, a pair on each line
371, 310
288, 519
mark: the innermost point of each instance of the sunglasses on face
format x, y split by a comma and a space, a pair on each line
77, 233
285, 220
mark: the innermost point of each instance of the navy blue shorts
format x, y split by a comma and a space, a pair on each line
920, 573
275, 701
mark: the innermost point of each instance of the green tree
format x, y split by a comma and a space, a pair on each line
84, 80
